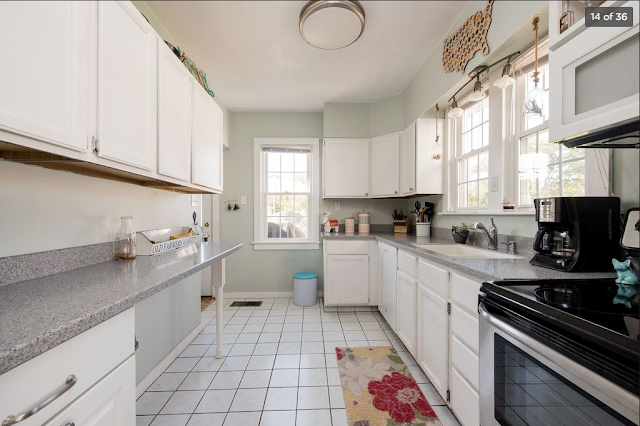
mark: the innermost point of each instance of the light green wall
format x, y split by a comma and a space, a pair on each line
386, 116
432, 82
342, 120
248, 270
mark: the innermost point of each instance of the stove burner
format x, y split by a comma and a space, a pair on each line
583, 298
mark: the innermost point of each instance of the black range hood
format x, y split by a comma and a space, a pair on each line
620, 135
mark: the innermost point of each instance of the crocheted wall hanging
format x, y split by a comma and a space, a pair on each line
470, 38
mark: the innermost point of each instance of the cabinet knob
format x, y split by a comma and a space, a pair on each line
366, 194
395, 192
410, 189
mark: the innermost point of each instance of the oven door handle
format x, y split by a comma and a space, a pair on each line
615, 397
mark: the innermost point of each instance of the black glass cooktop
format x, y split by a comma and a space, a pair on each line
589, 300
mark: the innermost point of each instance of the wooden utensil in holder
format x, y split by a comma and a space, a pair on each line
401, 226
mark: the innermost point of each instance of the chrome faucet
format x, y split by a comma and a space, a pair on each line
492, 233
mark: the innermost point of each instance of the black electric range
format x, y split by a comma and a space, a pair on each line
578, 319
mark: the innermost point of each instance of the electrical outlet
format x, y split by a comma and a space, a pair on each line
194, 201
494, 182
336, 205
243, 200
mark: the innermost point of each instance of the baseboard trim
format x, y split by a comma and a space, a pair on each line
260, 294
156, 371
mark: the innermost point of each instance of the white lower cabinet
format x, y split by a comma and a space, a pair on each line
111, 402
94, 371
346, 279
388, 261
407, 288
433, 338
465, 401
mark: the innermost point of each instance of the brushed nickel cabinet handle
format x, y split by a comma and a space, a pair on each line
70, 424
69, 383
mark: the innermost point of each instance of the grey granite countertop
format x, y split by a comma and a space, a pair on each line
38, 314
482, 269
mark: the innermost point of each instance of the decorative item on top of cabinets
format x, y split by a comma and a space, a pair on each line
436, 148
200, 75
566, 19
471, 37
534, 102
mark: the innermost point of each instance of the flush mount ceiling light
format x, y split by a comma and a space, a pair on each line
332, 24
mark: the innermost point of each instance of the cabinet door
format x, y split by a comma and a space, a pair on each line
407, 287
127, 87
465, 401
385, 166
345, 168
346, 279
433, 338
207, 140
111, 402
44, 70
174, 115
408, 163
429, 171
388, 270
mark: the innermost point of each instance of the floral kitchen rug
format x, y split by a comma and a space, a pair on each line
379, 390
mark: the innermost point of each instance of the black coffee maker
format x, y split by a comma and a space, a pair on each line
577, 233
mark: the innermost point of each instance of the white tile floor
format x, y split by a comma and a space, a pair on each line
279, 370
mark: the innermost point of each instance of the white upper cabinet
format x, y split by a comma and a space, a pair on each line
174, 115
408, 160
44, 70
385, 166
345, 168
421, 174
594, 78
207, 140
127, 102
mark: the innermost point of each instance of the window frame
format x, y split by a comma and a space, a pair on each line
260, 238
457, 146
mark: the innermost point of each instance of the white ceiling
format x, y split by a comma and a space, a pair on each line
256, 60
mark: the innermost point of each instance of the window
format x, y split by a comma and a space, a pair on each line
472, 157
545, 169
286, 212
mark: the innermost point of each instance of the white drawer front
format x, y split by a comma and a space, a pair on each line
89, 356
111, 402
437, 279
464, 292
465, 361
408, 263
465, 401
465, 327
346, 247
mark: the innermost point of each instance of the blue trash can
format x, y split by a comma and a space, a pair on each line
305, 289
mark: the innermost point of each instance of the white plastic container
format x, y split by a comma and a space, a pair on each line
423, 229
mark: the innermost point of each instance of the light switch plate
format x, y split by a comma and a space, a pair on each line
336, 205
494, 182
243, 200
194, 201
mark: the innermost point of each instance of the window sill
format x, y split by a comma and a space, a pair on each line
488, 213
307, 245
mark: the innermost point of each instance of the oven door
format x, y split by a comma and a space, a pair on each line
526, 383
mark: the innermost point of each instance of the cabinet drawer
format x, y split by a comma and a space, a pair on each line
465, 293
112, 401
465, 327
408, 263
465, 361
89, 356
346, 247
435, 278
465, 402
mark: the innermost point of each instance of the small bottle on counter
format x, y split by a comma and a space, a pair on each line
126, 239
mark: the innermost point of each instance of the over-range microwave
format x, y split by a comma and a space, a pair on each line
594, 83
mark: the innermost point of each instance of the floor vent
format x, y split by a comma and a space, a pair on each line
243, 304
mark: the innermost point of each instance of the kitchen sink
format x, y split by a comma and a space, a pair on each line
465, 252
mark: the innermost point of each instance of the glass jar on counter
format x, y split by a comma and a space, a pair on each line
126, 239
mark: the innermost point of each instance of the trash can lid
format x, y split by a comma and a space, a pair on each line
305, 276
